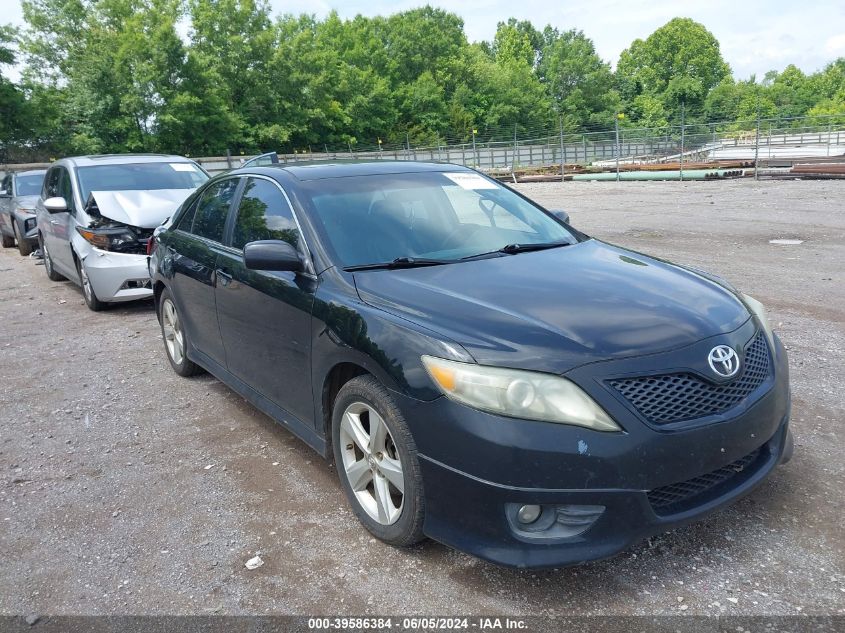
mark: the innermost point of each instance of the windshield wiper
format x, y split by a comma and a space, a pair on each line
401, 262
513, 249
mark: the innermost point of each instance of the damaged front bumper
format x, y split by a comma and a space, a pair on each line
118, 277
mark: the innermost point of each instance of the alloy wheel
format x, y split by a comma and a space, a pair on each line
86, 283
48, 263
173, 337
371, 463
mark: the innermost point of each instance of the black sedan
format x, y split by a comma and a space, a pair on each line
481, 372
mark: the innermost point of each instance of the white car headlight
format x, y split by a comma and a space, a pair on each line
518, 394
756, 308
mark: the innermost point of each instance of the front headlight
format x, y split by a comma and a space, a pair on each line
518, 394
109, 239
756, 308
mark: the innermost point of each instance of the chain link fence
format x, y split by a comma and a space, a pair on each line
757, 142
763, 142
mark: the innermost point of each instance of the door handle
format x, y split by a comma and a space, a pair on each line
54, 222
224, 277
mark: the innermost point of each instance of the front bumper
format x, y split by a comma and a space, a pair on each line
475, 465
27, 227
118, 277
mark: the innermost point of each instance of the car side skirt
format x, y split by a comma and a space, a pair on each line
296, 426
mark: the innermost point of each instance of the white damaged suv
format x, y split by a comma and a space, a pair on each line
97, 213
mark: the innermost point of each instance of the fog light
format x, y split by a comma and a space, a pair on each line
528, 514
549, 523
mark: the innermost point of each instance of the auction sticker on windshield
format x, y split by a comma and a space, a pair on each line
470, 181
182, 166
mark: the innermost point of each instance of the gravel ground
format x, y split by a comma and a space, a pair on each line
125, 489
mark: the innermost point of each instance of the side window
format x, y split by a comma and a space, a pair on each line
51, 183
264, 214
212, 208
65, 189
186, 218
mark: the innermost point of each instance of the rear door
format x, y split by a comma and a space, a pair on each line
265, 317
196, 244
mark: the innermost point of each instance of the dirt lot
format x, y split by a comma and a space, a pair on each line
126, 489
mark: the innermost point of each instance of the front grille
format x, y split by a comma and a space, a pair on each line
685, 494
669, 398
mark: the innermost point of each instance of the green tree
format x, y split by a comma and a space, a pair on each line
517, 41
580, 83
679, 63
15, 120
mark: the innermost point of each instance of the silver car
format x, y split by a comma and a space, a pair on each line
18, 196
97, 213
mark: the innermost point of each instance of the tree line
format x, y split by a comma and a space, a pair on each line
125, 75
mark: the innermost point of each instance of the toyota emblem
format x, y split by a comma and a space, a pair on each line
724, 361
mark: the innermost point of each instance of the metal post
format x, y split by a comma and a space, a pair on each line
616, 123
407, 145
514, 147
228, 158
829, 132
474, 150
562, 150
757, 144
584, 139
683, 139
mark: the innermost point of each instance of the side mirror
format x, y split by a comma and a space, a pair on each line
5, 194
56, 204
272, 255
563, 216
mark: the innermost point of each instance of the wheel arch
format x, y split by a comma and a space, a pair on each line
158, 287
340, 374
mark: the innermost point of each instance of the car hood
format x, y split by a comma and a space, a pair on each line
145, 209
556, 309
26, 202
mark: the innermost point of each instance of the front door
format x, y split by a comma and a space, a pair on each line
55, 231
265, 317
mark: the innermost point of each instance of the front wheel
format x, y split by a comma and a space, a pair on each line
377, 463
48, 261
24, 247
8, 240
91, 299
175, 342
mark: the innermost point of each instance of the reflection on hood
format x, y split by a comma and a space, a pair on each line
145, 209
26, 202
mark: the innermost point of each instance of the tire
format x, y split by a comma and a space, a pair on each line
88, 293
174, 336
48, 263
8, 241
370, 467
24, 247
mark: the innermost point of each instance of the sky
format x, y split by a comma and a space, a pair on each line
756, 36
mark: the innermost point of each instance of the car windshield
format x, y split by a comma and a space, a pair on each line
29, 184
443, 216
139, 176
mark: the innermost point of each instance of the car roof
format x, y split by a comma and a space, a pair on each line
317, 170
123, 159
